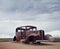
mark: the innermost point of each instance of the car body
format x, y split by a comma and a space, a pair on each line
29, 34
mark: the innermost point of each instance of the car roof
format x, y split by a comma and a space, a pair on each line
26, 27
29, 26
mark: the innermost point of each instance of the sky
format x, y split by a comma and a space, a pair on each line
44, 14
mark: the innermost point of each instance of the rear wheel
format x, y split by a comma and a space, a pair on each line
14, 39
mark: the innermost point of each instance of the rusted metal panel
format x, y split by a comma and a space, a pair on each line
24, 32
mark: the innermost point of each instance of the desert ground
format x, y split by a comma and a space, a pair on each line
20, 45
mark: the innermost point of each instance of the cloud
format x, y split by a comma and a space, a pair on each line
6, 5
55, 33
49, 17
28, 6
33, 10
45, 14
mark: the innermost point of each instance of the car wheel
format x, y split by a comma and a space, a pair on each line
14, 39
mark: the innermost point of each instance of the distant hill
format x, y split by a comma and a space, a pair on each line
5, 39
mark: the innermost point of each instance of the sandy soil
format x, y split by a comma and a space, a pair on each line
44, 45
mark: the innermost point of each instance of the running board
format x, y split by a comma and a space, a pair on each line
43, 41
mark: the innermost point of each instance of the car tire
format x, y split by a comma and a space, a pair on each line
14, 39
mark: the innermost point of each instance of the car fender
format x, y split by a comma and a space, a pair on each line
33, 34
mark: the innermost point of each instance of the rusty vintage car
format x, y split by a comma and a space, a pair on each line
29, 34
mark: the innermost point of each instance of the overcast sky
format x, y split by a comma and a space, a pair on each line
45, 14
